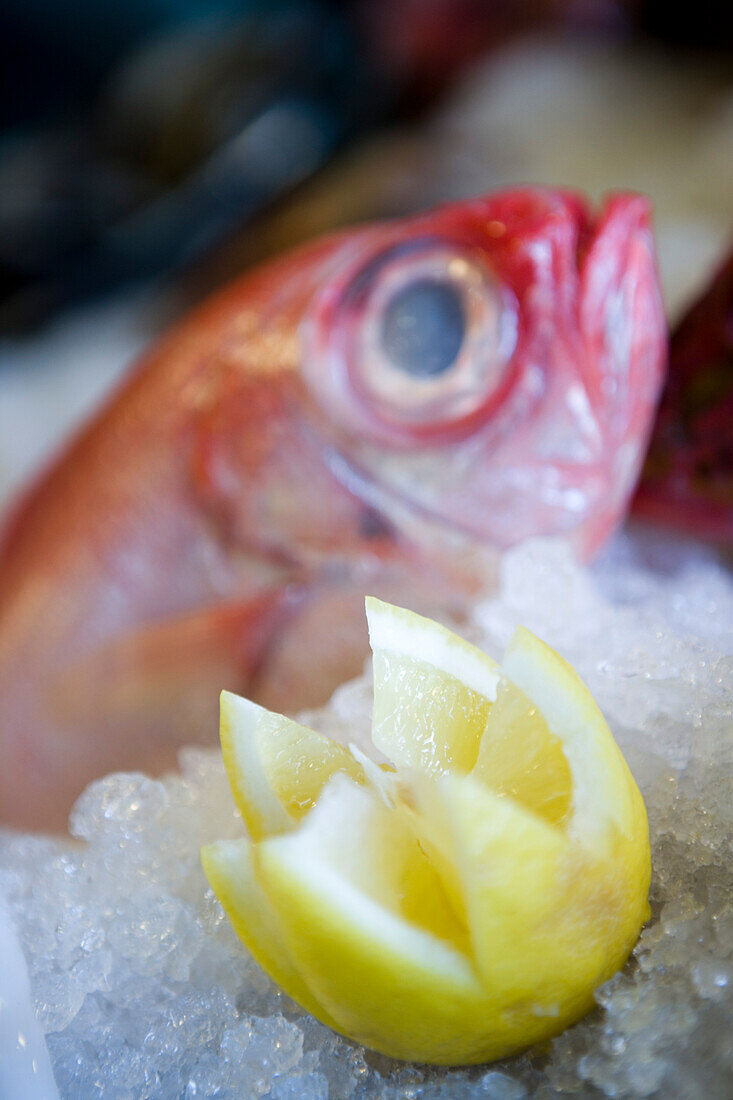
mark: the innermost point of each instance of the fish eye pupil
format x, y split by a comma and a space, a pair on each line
423, 327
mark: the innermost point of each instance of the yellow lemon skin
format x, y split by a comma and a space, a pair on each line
465, 906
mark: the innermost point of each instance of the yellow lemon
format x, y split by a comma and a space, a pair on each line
465, 903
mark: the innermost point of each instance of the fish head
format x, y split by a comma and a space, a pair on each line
493, 366
489, 369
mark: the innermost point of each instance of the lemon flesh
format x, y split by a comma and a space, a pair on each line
276, 767
466, 904
432, 691
519, 757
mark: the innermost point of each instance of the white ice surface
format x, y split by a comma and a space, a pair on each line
144, 991
25, 1067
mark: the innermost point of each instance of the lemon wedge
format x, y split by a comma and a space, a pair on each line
464, 903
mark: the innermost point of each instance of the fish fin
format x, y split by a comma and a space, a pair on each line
688, 476
166, 677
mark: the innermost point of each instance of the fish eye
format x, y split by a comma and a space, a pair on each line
430, 334
423, 327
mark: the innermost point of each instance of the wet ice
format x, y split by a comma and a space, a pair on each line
143, 989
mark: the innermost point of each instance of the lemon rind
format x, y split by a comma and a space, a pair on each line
396, 630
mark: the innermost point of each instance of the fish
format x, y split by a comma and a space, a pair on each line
383, 410
687, 480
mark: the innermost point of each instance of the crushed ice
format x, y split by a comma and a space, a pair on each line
143, 989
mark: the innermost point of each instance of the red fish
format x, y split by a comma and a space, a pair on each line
688, 475
360, 415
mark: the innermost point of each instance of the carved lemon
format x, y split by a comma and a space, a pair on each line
464, 903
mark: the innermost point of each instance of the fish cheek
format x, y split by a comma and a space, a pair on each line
260, 472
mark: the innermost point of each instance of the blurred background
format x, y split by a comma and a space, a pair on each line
151, 149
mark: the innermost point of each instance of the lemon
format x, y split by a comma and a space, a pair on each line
464, 903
